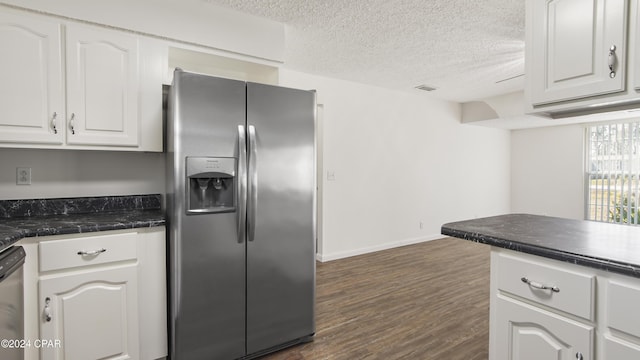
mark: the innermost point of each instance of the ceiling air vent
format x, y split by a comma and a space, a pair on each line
425, 87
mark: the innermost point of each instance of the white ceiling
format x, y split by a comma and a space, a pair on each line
464, 48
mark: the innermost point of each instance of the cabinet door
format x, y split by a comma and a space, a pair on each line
524, 332
102, 87
93, 314
568, 50
621, 305
617, 349
31, 105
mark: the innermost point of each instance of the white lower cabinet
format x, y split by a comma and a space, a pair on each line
534, 334
623, 299
90, 315
617, 349
543, 309
96, 296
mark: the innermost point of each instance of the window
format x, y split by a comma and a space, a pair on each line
613, 172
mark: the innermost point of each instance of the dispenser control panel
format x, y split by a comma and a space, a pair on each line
210, 184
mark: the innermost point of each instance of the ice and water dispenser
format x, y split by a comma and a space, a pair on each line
210, 184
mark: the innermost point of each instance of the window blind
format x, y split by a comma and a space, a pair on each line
613, 170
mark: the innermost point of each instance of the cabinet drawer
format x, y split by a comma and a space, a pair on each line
622, 307
575, 293
70, 253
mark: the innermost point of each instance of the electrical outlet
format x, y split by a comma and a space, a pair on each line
23, 176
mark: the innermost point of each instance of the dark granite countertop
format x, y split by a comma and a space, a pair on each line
43, 217
609, 247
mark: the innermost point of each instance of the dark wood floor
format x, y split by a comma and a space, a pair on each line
427, 301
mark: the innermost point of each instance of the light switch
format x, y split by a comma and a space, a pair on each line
331, 176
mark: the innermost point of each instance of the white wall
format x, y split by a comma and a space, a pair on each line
547, 169
71, 173
400, 159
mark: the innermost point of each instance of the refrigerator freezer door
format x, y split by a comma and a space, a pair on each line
281, 255
207, 262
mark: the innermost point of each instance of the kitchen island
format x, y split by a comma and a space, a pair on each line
603, 246
560, 288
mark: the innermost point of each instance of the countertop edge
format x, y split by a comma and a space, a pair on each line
598, 263
15, 234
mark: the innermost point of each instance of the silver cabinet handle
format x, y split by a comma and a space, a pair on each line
72, 123
579, 356
53, 122
537, 285
242, 183
612, 61
253, 183
46, 312
91, 252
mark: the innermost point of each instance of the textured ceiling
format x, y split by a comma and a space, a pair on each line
460, 47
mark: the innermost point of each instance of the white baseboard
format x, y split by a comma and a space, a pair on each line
370, 249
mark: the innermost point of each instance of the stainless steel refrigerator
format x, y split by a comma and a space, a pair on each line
241, 217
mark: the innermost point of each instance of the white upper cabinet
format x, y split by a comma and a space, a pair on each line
77, 86
577, 49
582, 56
102, 87
31, 105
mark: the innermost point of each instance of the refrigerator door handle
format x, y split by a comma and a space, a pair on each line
242, 184
253, 184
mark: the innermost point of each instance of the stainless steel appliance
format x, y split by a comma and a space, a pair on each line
11, 303
241, 216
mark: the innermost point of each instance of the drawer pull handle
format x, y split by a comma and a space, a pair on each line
47, 310
579, 356
91, 252
537, 285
